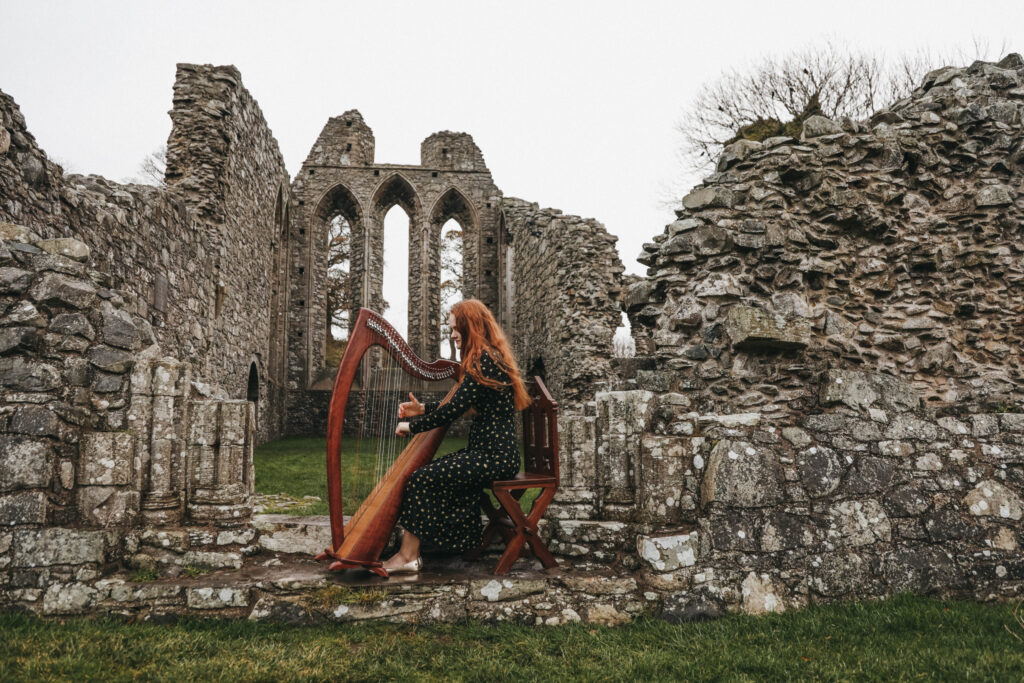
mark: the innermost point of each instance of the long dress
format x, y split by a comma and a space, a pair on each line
441, 500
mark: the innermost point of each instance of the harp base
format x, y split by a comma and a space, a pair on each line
373, 566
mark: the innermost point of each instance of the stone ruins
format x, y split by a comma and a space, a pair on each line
827, 401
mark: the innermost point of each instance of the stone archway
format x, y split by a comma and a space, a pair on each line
451, 205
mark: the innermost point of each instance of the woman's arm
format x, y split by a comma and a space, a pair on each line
446, 413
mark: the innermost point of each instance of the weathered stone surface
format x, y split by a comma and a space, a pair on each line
709, 197
72, 598
668, 553
72, 324
821, 469
34, 421
67, 247
920, 569
117, 328
54, 288
760, 595
992, 499
754, 329
842, 574
57, 545
862, 390
291, 534
216, 598
14, 280
859, 523
501, 589
816, 126
105, 458
110, 359
24, 507
24, 463
740, 474
23, 375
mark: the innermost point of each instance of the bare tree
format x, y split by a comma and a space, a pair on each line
775, 96
339, 247
451, 278
153, 168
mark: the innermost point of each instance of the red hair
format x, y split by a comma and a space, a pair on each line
480, 332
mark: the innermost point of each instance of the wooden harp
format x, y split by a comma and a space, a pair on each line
360, 542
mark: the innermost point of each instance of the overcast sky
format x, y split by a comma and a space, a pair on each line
574, 104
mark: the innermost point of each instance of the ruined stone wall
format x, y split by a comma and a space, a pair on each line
340, 178
565, 280
892, 245
201, 257
831, 404
100, 433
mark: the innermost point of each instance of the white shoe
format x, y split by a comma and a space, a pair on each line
411, 567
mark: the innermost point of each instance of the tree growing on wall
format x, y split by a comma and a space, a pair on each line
339, 247
776, 95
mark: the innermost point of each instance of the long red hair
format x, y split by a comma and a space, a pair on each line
480, 332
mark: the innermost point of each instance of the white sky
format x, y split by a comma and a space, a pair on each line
573, 103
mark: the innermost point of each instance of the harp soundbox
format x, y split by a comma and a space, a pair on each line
382, 378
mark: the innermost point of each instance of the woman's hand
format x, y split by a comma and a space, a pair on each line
410, 409
403, 429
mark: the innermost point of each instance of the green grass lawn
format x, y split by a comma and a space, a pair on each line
906, 638
297, 466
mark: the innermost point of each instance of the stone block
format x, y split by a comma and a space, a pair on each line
110, 359
58, 545
166, 373
821, 470
984, 425
235, 427
117, 328
22, 374
668, 553
710, 197
993, 195
760, 595
213, 560
35, 421
816, 126
106, 506
754, 329
24, 507
859, 523
55, 288
24, 463
11, 232
742, 475
217, 598
65, 246
908, 427
503, 589
1011, 422
862, 390
292, 534
105, 458
992, 499
69, 598
14, 280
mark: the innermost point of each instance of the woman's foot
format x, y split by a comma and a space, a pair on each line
400, 565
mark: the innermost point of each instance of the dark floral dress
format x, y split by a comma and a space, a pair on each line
441, 501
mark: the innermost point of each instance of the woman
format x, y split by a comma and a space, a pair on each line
441, 500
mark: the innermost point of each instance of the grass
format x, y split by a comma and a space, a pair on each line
906, 638
298, 466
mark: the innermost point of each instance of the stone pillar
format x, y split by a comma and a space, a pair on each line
158, 417
220, 474
622, 418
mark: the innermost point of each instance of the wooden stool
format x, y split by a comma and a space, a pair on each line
540, 471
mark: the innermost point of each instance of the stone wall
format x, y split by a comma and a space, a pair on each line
830, 403
100, 433
564, 280
199, 257
891, 245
